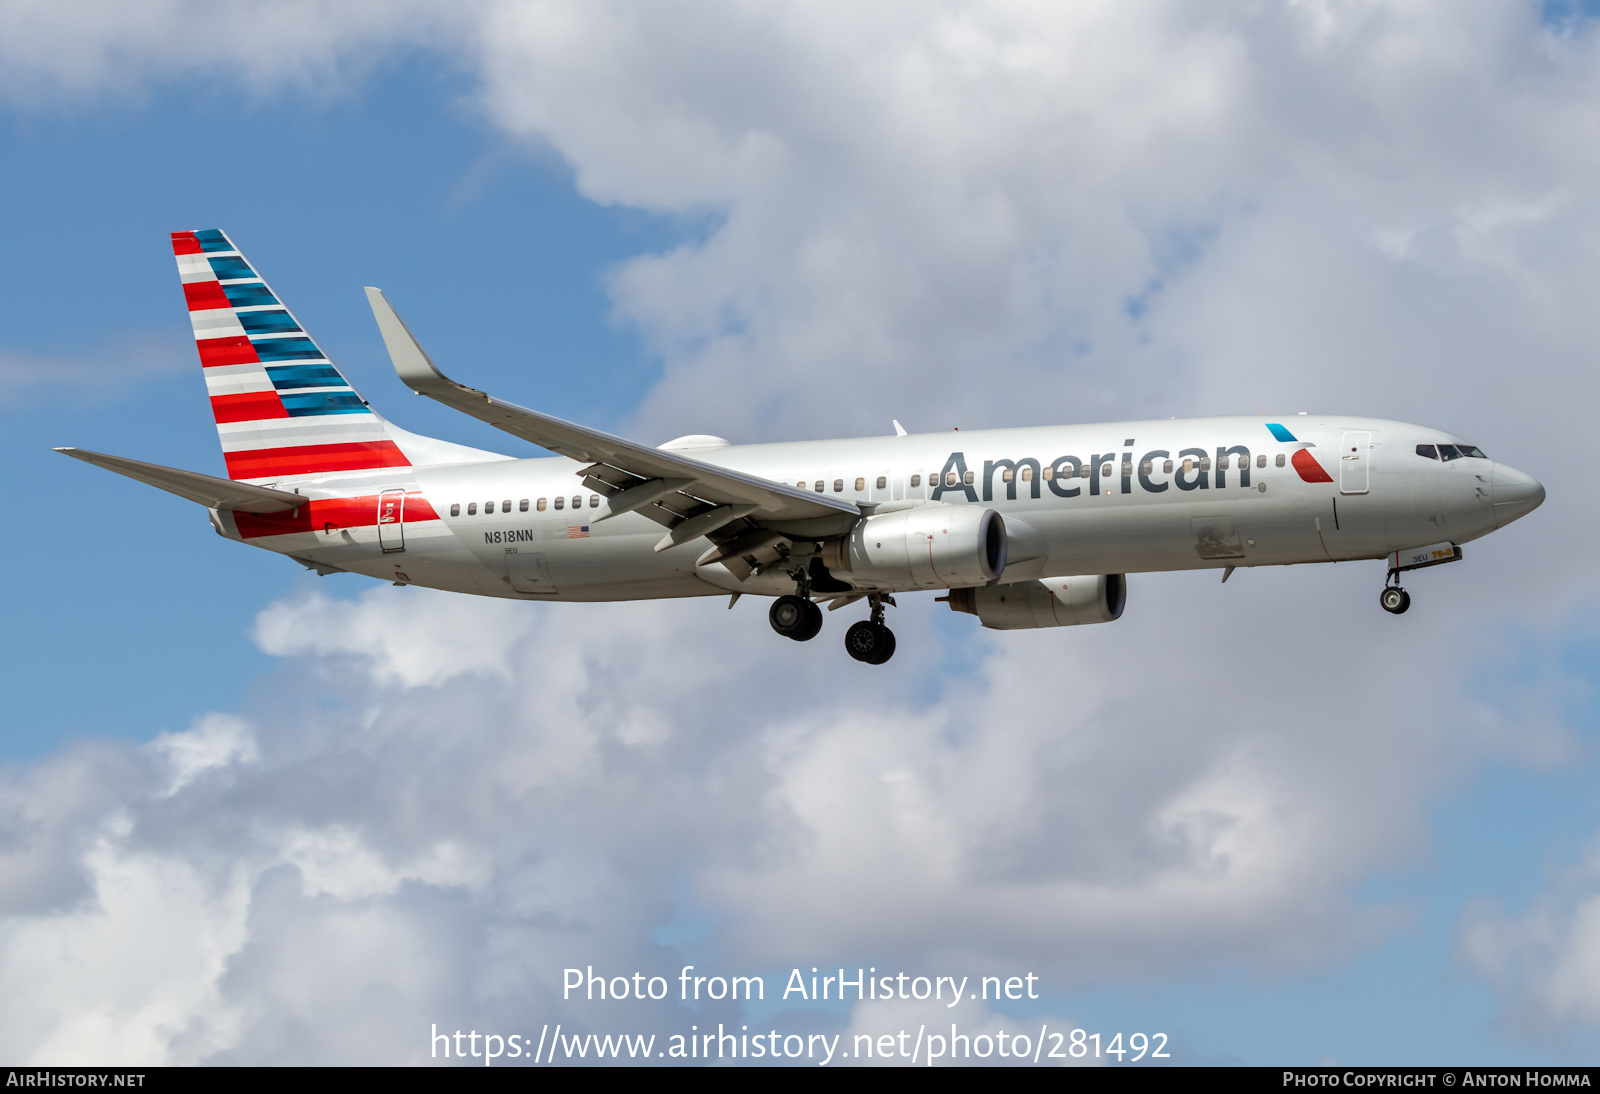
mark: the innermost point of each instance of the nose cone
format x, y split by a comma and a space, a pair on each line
1515, 494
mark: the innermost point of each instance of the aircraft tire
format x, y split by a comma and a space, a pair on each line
888, 646
813, 622
789, 617
869, 643
1395, 600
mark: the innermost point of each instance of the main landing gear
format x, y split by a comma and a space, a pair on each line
869, 641
797, 616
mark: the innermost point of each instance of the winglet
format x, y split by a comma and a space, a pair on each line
411, 362
899, 430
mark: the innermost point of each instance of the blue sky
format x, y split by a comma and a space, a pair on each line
486, 247
804, 226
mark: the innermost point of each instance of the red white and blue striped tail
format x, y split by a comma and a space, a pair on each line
283, 410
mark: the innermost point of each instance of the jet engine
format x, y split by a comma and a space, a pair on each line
931, 546
1051, 602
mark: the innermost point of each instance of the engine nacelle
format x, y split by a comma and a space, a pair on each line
1051, 602
931, 546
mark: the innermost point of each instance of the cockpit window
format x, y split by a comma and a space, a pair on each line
1473, 450
1427, 451
1448, 452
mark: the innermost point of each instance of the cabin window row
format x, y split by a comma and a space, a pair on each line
951, 479
522, 506
821, 485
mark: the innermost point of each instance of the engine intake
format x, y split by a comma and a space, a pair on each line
1051, 602
931, 546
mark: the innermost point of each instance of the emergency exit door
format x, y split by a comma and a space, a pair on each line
392, 521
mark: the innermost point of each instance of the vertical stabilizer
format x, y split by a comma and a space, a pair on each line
282, 409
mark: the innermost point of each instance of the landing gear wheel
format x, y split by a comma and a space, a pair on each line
1395, 600
795, 617
870, 643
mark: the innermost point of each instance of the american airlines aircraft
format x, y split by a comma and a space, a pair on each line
1022, 528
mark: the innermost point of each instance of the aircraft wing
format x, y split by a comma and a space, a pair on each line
212, 492
690, 497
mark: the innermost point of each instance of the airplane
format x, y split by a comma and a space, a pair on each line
1022, 528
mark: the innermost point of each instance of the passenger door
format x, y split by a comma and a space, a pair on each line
1355, 461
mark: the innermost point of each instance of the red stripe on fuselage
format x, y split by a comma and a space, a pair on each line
252, 406
309, 459
234, 350
184, 243
1310, 470
205, 295
328, 515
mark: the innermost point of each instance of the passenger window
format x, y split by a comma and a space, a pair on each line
969, 478
1006, 475
488, 507
577, 501
455, 509
1166, 467
540, 506
594, 501
1261, 460
560, 502
1188, 467
916, 480
1448, 452
819, 485
861, 484
472, 508
1146, 467
838, 486
522, 506
505, 506
1279, 460
1027, 474
883, 483
1083, 472
1047, 474
1205, 463
1105, 471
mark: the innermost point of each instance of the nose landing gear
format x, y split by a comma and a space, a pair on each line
869, 641
1394, 599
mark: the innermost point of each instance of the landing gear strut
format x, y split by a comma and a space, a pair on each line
869, 641
797, 616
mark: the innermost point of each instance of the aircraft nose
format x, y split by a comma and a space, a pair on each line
1515, 494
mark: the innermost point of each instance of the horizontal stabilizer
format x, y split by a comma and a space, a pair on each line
208, 490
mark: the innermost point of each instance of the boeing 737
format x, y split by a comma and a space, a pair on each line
1023, 528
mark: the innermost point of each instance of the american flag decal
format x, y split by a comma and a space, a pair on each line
577, 531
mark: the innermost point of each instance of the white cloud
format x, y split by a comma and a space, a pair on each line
123, 363
1544, 963
50, 52
375, 855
